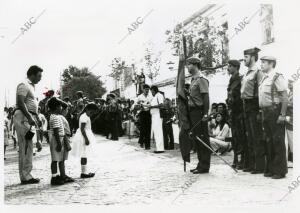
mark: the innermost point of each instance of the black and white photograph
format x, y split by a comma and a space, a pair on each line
179, 104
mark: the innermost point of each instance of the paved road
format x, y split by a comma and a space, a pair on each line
127, 174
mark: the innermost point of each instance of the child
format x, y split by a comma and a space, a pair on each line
66, 140
56, 137
43, 129
84, 138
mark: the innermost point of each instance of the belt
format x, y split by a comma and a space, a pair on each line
248, 101
33, 113
275, 106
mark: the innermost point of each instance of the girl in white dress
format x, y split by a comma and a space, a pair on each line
84, 139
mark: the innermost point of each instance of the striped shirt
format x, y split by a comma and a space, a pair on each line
27, 90
56, 122
66, 125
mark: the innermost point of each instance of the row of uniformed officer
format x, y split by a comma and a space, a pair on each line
263, 95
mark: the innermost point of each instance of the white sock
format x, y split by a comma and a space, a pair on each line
54, 175
83, 169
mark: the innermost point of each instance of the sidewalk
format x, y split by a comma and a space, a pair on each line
127, 174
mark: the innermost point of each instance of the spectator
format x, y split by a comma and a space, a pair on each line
43, 131
156, 103
219, 134
167, 115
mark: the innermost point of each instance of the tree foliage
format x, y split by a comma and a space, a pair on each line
122, 71
75, 79
204, 39
153, 62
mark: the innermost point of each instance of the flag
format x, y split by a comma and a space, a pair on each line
182, 105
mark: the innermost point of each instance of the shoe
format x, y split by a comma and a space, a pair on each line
68, 179
192, 170
233, 165
89, 175
247, 170
268, 174
254, 172
278, 176
147, 148
200, 171
57, 181
239, 167
31, 181
158, 152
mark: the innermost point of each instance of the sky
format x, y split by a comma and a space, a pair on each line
80, 33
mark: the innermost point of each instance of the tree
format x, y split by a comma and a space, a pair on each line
152, 63
75, 79
204, 39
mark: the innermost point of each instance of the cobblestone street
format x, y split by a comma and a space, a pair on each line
127, 174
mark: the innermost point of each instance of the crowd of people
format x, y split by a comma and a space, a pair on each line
254, 122
69, 126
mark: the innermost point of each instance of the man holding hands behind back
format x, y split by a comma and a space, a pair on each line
25, 119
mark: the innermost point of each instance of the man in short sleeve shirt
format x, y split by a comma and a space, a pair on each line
273, 100
26, 116
199, 105
255, 155
144, 101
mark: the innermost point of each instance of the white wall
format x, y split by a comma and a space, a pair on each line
282, 48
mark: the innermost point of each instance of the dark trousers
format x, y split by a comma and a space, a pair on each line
275, 142
145, 128
239, 140
256, 149
168, 135
113, 126
203, 153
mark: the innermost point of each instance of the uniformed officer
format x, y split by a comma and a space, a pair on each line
198, 106
235, 106
255, 161
273, 100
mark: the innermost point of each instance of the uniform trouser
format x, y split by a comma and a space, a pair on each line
145, 128
203, 153
157, 128
239, 140
255, 142
275, 142
25, 160
168, 135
